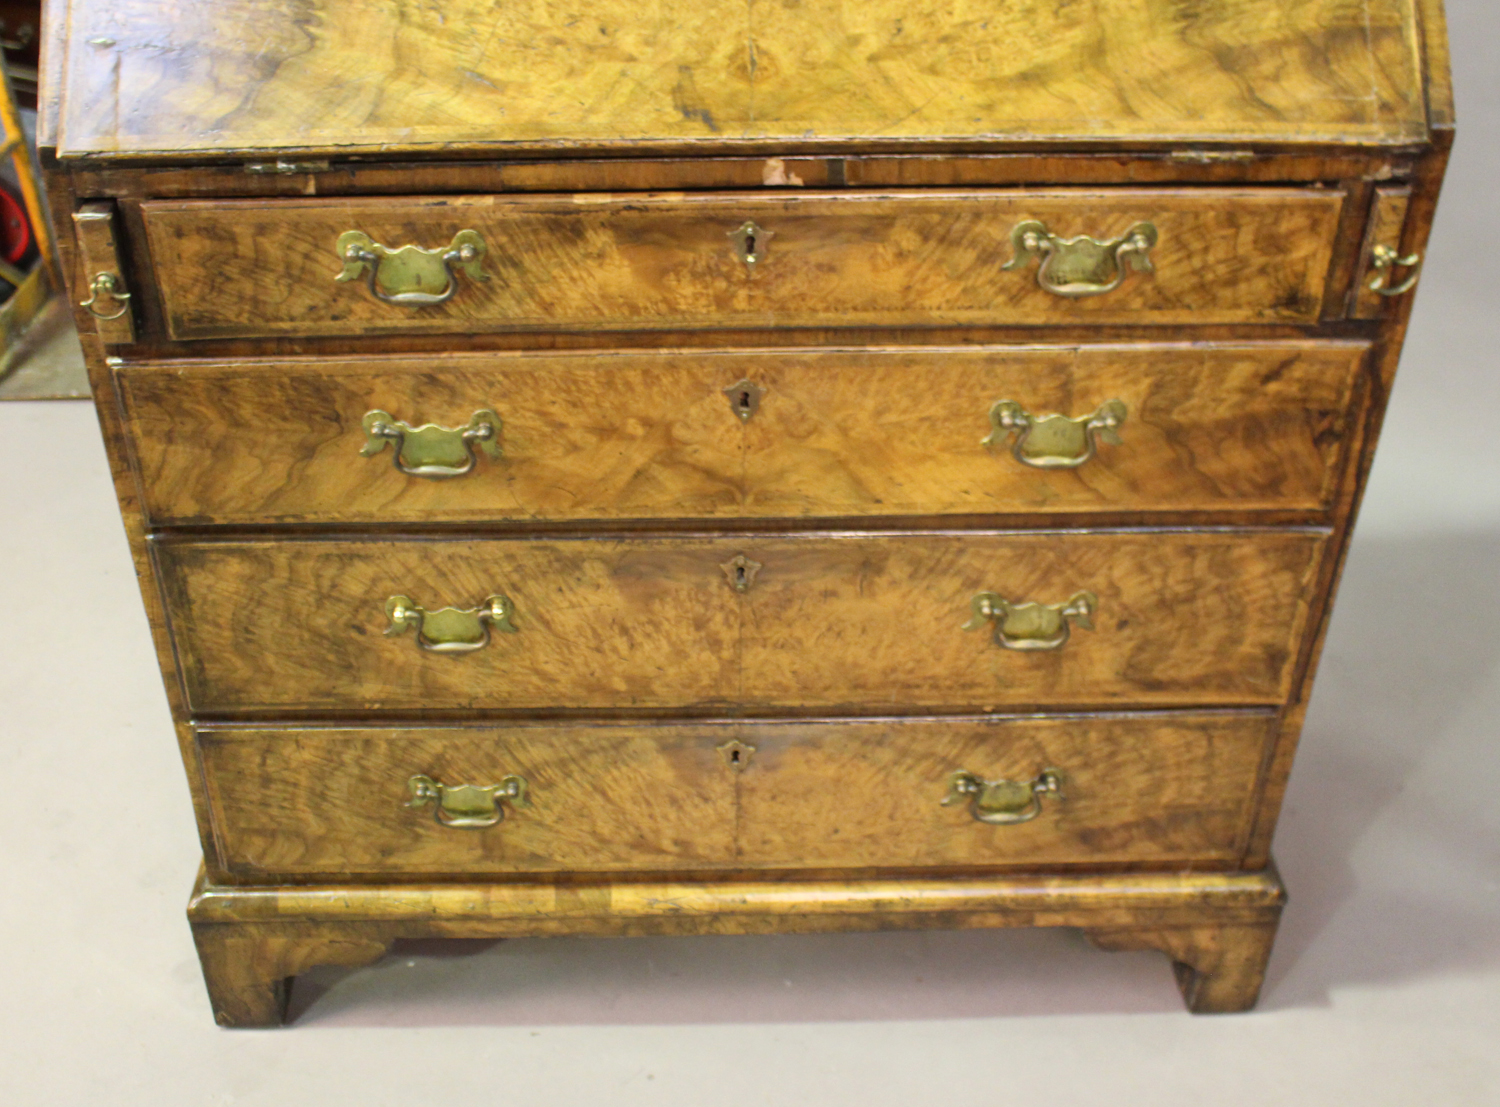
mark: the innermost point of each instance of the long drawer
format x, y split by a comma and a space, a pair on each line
1167, 789
653, 261
774, 433
851, 622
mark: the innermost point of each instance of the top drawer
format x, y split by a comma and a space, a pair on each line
1122, 256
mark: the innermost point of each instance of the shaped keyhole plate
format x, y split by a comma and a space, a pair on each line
736, 754
750, 243
740, 572
744, 398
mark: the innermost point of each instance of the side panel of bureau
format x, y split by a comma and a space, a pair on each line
832, 433
863, 622
653, 261
1169, 789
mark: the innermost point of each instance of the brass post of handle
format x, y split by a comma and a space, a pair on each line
429, 450
1032, 626
1054, 441
411, 276
107, 284
1077, 267
450, 629
1003, 802
467, 806
1383, 260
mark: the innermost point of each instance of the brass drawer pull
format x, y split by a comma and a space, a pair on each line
430, 450
1383, 260
1032, 626
107, 284
1054, 441
1082, 266
1003, 802
411, 273
467, 806
450, 629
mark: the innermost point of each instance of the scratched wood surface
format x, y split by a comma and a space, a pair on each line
1139, 789
600, 799
1183, 618
145, 76
247, 268
866, 623
654, 435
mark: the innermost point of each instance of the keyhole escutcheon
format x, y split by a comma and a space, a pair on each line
744, 398
736, 754
750, 243
740, 572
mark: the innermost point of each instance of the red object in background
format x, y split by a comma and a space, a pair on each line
16, 239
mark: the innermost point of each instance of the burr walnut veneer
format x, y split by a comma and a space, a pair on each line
775, 465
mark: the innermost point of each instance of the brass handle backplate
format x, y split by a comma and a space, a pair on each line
467, 806
1383, 259
1082, 266
450, 629
411, 276
1032, 626
1054, 441
107, 284
1003, 802
430, 450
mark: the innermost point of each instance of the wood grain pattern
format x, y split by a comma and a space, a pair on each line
1209, 428
653, 435
873, 622
1143, 789
583, 437
146, 76
254, 937
248, 972
313, 801
249, 268
1158, 790
601, 624
1219, 969
1183, 618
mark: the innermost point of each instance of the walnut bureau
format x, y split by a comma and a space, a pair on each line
781, 465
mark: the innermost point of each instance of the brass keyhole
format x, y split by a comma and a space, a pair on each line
736, 754
740, 572
744, 398
750, 240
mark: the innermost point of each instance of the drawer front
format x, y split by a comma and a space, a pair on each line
858, 622
342, 801
599, 624
662, 262
1178, 618
830, 433
1143, 789
1132, 788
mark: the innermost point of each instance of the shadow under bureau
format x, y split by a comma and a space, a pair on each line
772, 467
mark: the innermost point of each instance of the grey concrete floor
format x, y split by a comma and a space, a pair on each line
1384, 987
